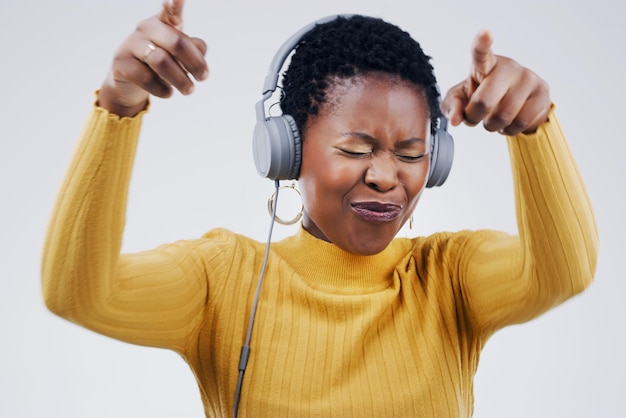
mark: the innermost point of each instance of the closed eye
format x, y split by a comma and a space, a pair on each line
411, 158
355, 154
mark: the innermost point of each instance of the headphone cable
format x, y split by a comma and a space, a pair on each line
245, 350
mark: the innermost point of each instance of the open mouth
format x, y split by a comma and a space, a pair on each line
376, 211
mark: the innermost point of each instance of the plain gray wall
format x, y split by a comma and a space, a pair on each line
194, 171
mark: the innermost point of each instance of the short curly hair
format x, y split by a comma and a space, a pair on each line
347, 47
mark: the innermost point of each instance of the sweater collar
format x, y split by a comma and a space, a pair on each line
327, 267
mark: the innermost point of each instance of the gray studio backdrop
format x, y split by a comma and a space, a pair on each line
194, 171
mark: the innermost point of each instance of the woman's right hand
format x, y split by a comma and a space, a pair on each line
154, 59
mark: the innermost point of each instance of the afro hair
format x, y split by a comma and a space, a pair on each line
348, 47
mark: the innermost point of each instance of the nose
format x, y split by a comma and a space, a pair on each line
382, 174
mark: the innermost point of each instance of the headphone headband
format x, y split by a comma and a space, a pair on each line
271, 81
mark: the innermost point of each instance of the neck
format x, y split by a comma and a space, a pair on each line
324, 265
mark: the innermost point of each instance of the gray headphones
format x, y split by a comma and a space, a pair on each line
277, 145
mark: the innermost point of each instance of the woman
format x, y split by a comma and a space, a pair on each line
350, 321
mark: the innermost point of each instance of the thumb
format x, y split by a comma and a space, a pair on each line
454, 103
483, 59
172, 13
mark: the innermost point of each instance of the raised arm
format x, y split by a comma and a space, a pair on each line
511, 279
151, 298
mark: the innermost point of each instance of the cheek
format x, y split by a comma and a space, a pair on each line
326, 180
333, 178
414, 180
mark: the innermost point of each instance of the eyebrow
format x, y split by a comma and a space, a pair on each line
371, 140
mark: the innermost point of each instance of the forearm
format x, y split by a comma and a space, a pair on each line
512, 279
151, 298
555, 219
85, 233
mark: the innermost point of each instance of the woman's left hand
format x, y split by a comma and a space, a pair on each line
505, 96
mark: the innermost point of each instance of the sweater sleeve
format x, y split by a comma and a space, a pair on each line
512, 279
153, 298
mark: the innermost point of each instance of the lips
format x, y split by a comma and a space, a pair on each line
376, 211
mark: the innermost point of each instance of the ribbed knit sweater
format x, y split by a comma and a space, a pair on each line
394, 334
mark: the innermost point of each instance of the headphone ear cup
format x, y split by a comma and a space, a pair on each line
441, 157
277, 148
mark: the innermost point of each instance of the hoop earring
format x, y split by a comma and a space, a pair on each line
270, 206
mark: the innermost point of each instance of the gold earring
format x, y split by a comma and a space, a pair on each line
270, 206
411, 222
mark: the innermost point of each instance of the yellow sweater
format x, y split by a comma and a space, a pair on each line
394, 334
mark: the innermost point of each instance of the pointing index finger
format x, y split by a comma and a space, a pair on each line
172, 13
483, 59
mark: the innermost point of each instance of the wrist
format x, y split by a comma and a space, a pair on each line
107, 101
